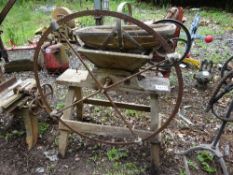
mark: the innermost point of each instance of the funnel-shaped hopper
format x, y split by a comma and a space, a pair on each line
115, 60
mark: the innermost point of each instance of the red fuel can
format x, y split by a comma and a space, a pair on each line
55, 58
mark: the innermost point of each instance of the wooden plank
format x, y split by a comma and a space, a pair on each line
72, 77
63, 136
155, 124
81, 78
4, 85
19, 66
118, 104
31, 127
4, 105
103, 130
9, 98
79, 106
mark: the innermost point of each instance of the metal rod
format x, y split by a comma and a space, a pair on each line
119, 114
100, 86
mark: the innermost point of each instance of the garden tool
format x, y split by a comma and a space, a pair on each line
224, 114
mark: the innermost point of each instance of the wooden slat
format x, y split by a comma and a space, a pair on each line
10, 100
118, 104
19, 66
81, 78
103, 130
4, 85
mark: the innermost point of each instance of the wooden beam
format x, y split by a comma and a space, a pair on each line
103, 130
19, 66
133, 106
4, 85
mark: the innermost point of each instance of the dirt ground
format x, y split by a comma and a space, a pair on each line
87, 158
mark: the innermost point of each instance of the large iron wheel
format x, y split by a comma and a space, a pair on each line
102, 89
221, 90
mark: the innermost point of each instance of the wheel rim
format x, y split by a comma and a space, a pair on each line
122, 17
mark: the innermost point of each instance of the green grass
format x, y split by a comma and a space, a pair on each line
116, 154
218, 16
127, 168
43, 128
26, 17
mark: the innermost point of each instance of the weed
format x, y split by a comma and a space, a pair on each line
116, 154
95, 156
192, 164
51, 168
11, 34
43, 128
13, 134
55, 142
60, 105
97, 109
217, 16
205, 157
182, 172
131, 113
125, 169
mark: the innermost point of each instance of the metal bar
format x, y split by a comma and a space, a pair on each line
3, 51
118, 104
6, 10
98, 83
129, 125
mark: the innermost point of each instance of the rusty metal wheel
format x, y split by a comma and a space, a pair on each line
104, 88
221, 90
181, 41
227, 67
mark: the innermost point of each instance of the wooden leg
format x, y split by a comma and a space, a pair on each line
78, 95
35, 130
63, 137
155, 124
31, 126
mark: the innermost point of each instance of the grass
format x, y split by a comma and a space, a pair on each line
20, 27
116, 154
127, 168
218, 17
12, 135
120, 167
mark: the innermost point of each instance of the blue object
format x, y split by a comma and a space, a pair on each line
194, 26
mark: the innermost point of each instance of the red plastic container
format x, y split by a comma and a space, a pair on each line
52, 61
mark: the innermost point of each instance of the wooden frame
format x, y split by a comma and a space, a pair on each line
75, 84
